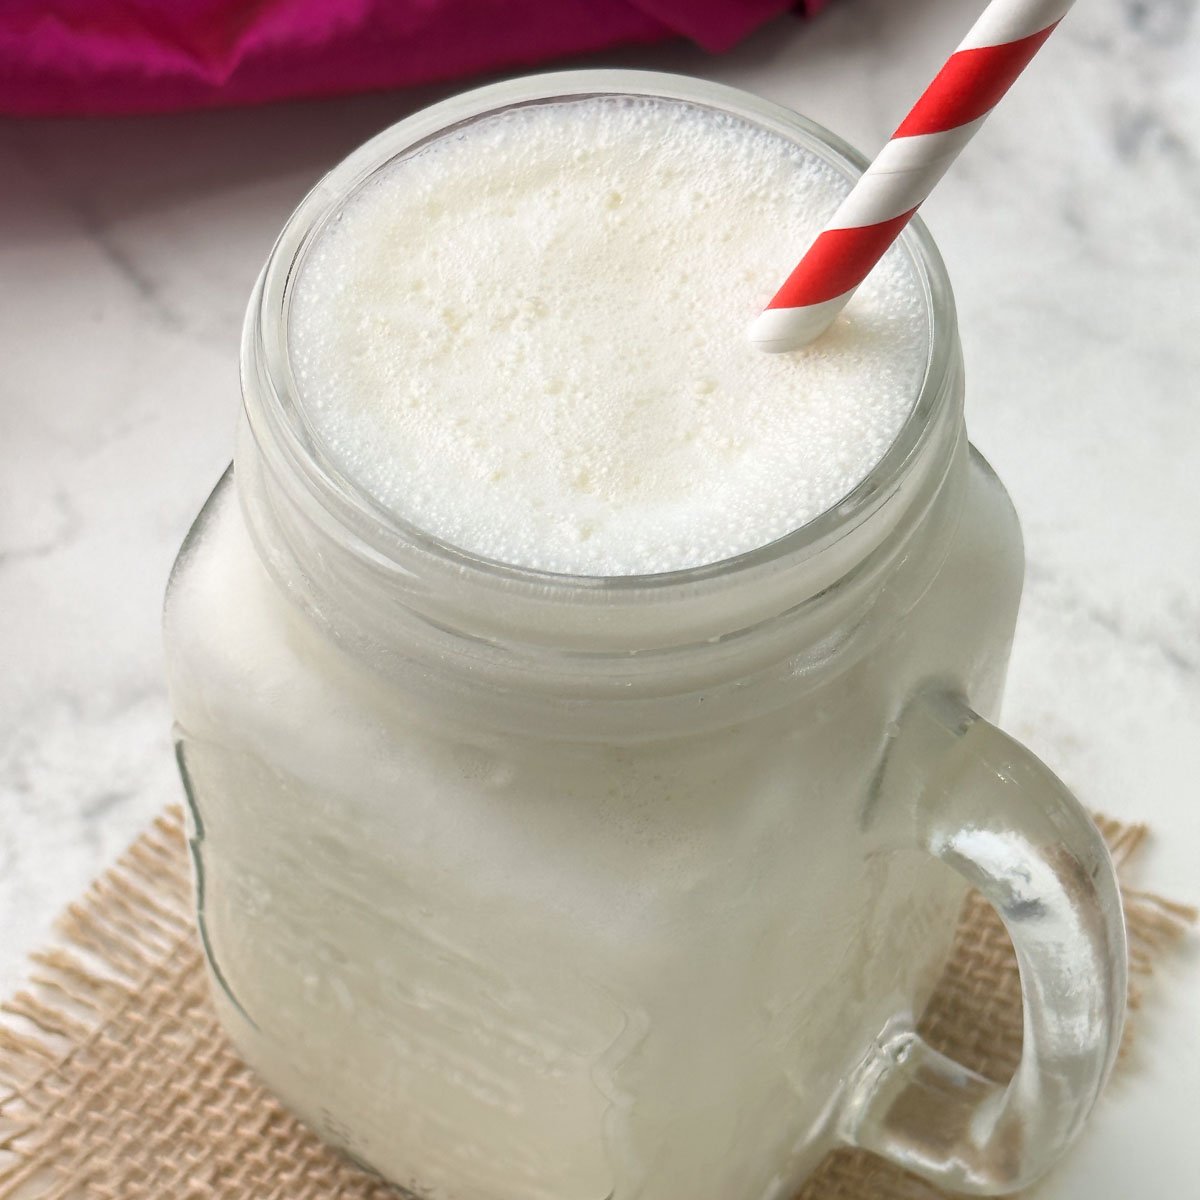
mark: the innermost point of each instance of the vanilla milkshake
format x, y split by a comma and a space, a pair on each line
526, 340
534, 670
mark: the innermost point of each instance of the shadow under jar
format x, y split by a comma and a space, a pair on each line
521, 886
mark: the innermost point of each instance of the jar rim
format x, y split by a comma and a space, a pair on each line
274, 412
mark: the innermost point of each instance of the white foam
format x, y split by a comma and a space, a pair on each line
528, 339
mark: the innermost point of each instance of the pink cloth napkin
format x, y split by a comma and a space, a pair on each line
126, 56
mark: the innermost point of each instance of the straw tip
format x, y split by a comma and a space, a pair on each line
780, 330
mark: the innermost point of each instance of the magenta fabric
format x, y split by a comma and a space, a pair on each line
128, 56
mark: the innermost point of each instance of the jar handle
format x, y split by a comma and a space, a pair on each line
957, 787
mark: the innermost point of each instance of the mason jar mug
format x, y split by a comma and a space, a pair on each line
524, 886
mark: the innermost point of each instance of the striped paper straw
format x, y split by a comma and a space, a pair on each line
881, 203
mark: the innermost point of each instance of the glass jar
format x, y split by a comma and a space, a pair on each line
530, 886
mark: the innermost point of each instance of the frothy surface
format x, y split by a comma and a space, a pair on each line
528, 339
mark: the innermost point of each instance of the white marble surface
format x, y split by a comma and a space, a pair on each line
1072, 232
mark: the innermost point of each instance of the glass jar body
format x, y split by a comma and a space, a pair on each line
527, 888
491, 963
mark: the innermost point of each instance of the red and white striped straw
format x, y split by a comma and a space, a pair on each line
881, 203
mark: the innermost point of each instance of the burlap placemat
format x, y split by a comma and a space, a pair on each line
116, 1083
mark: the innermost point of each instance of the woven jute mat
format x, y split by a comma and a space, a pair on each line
116, 1082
